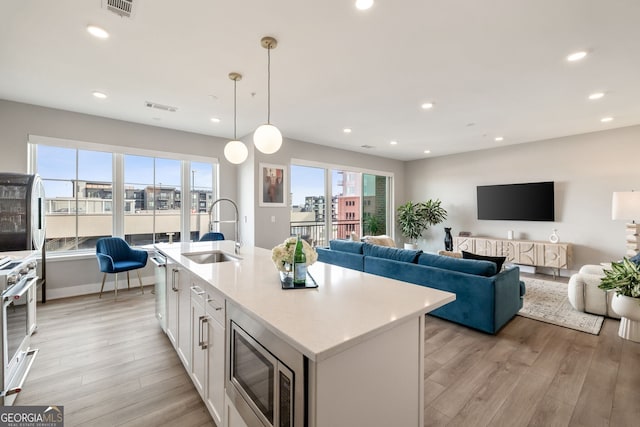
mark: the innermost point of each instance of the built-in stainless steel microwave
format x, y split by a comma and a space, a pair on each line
265, 376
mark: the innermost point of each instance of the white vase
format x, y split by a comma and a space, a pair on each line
628, 309
412, 246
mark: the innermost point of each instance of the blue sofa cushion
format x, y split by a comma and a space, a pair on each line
343, 259
498, 260
346, 246
387, 252
635, 258
469, 266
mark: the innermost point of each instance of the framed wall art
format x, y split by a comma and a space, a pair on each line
273, 179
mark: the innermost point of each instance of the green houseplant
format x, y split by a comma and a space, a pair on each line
624, 279
415, 218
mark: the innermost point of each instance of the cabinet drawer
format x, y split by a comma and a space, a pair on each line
215, 306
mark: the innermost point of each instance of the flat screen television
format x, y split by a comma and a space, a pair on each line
532, 201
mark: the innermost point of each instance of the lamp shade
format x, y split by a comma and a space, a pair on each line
625, 205
267, 138
236, 152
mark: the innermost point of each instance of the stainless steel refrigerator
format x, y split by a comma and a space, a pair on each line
22, 219
22, 206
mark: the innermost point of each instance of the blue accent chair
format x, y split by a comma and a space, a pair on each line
211, 236
115, 256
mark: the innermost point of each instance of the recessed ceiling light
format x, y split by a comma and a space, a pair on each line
596, 95
346, 130
393, 142
606, 119
498, 138
99, 95
577, 56
427, 151
364, 4
98, 32
427, 105
215, 120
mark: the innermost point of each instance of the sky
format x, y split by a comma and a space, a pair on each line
60, 163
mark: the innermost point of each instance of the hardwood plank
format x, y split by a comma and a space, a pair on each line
518, 408
108, 363
596, 396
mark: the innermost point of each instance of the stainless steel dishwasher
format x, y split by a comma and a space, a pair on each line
160, 262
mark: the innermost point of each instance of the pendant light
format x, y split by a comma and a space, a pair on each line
235, 151
267, 138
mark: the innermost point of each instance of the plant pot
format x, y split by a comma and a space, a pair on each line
412, 246
628, 309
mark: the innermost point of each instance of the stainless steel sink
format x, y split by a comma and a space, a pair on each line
210, 257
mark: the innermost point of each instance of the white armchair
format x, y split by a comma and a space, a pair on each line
584, 294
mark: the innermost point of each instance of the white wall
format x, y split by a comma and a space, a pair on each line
586, 169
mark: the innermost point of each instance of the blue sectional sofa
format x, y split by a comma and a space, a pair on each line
485, 299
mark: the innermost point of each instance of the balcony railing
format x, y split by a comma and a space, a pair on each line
315, 232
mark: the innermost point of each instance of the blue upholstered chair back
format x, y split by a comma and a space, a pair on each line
115, 255
211, 236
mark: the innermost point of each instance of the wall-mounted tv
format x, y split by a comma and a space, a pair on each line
532, 201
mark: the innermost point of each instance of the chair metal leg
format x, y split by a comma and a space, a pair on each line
128, 281
140, 280
102, 287
116, 286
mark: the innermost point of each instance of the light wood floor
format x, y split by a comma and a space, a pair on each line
109, 364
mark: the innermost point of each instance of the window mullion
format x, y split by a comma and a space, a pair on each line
117, 195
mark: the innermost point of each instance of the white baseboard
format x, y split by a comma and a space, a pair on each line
94, 288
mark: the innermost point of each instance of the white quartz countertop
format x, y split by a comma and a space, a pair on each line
347, 307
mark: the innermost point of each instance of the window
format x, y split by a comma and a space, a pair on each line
78, 188
358, 204
142, 202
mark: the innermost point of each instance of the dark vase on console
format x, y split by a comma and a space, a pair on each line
448, 240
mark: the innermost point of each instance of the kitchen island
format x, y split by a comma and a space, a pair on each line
361, 335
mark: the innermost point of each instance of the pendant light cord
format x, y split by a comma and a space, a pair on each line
269, 85
235, 115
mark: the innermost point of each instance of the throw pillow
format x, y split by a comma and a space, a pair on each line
451, 254
498, 260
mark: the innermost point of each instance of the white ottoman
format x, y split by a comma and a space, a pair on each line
584, 294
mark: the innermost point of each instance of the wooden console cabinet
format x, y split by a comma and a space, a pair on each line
525, 252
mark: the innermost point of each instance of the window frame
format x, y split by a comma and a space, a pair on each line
328, 188
118, 154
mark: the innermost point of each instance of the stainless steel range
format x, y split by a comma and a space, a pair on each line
18, 279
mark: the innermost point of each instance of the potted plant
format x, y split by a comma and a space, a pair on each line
415, 218
624, 279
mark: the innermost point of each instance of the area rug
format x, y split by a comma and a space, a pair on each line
547, 301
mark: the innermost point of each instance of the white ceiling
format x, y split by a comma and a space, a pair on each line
492, 67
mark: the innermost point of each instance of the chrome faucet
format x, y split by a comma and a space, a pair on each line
237, 236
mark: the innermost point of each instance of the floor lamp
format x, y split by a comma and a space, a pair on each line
626, 206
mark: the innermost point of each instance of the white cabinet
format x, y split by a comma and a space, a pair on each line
208, 344
172, 302
178, 311
231, 416
199, 331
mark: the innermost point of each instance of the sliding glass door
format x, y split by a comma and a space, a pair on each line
331, 203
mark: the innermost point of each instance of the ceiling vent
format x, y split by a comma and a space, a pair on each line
160, 106
367, 146
123, 8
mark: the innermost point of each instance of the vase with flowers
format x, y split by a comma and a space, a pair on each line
282, 256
